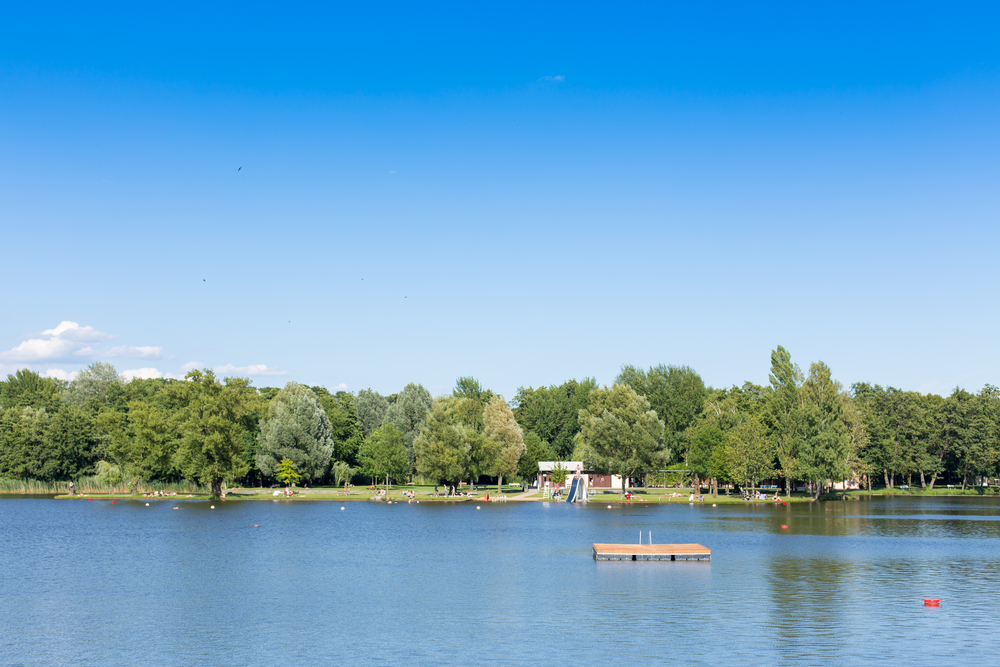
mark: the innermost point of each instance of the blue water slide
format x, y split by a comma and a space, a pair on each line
572, 490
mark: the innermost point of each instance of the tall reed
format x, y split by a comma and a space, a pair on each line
93, 485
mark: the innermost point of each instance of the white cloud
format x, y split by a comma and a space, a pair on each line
253, 369
60, 374
73, 331
340, 387
134, 352
40, 349
69, 342
144, 373
558, 77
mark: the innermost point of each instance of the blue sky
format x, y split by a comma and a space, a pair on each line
364, 196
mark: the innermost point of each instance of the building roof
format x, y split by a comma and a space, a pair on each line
570, 466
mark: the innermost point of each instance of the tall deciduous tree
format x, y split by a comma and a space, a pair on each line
443, 445
749, 452
825, 445
535, 450
296, 427
370, 407
783, 412
212, 428
383, 454
503, 429
553, 412
621, 434
676, 393
137, 441
92, 383
26, 388
408, 412
22, 444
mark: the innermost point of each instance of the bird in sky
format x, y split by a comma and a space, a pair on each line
238, 170
202, 280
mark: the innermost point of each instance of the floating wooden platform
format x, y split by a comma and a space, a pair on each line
651, 552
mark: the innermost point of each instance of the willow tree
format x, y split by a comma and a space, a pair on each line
501, 427
296, 428
92, 382
621, 434
212, 426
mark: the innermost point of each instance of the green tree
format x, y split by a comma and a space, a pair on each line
296, 427
285, 472
749, 453
704, 439
342, 473
92, 383
621, 434
26, 388
502, 428
443, 446
383, 454
23, 454
676, 393
535, 450
553, 412
212, 426
346, 428
558, 474
469, 387
408, 412
783, 412
137, 442
370, 406
73, 442
825, 446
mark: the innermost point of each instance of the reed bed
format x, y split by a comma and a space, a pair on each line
93, 485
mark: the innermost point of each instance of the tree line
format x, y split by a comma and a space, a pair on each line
801, 428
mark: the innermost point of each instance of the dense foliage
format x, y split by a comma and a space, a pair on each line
801, 429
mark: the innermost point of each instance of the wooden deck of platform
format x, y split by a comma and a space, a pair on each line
651, 552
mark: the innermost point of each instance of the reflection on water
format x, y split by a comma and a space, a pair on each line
124, 584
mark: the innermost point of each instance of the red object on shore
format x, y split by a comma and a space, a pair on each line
933, 602
784, 525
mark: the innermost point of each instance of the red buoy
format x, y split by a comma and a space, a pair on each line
784, 525
932, 602
112, 502
89, 499
784, 503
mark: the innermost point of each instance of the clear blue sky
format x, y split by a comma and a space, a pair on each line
518, 192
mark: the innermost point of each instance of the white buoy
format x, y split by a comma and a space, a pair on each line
714, 505
341, 509
147, 504
609, 506
213, 507
477, 506
177, 508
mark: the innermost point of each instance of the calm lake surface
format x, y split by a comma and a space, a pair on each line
95, 583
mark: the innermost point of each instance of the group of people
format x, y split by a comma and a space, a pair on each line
159, 494
760, 495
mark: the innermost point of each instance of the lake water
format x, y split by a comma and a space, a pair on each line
95, 583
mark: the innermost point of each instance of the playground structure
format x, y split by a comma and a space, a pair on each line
577, 490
